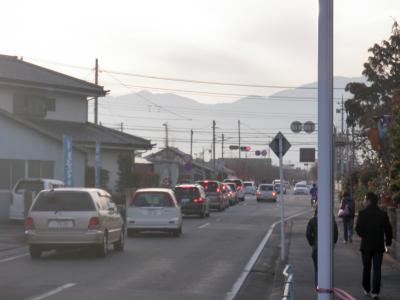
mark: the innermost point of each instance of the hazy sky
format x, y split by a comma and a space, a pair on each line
268, 41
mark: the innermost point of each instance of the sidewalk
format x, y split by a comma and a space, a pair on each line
347, 266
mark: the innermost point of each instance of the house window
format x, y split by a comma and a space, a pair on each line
33, 105
40, 169
5, 178
14, 169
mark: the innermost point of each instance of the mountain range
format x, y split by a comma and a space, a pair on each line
147, 114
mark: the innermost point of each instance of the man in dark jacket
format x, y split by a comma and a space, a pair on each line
312, 235
373, 227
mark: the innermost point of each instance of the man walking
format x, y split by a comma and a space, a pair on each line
373, 227
312, 238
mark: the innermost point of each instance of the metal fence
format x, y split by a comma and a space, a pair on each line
288, 292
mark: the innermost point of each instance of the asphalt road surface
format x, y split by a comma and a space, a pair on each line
204, 263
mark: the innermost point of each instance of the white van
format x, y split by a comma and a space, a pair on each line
34, 185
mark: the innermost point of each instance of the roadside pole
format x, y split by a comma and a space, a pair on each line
325, 145
281, 201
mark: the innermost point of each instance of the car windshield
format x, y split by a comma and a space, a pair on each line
64, 201
186, 192
266, 187
152, 199
29, 186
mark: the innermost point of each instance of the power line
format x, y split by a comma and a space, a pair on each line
182, 79
221, 94
214, 82
148, 100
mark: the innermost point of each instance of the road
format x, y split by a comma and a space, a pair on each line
204, 263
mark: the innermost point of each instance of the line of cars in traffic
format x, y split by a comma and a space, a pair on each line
61, 218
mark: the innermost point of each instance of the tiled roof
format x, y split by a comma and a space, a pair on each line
84, 133
17, 71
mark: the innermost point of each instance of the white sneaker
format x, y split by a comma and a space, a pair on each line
375, 296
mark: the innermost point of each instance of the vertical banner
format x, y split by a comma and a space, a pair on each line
97, 166
67, 142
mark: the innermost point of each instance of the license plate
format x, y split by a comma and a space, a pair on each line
185, 200
61, 224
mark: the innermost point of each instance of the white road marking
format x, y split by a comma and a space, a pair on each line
204, 225
53, 292
249, 266
218, 220
13, 257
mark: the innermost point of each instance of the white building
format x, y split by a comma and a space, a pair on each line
37, 107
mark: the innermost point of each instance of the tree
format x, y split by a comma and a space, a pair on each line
382, 71
125, 175
90, 177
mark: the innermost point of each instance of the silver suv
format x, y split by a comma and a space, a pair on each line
74, 217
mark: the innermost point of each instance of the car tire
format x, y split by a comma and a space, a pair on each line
208, 213
120, 244
102, 249
35, 251
258, 200
177, 232
203, 214
221, 208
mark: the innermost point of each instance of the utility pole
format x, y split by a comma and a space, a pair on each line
222, 150
191, 142
239, 136
122, 127
325, 150
213, 145
96, 101
166, 134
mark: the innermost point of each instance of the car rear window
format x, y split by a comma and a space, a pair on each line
247, 184
29, 186
209, 186
266, 187
233, 186
64, 201
237, 182
152, 199
301, 186
186, 192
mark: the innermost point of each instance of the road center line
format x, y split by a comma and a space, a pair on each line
204, 225
249, 266
13, 257
53, 292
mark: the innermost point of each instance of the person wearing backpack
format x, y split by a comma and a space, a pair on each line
346, 212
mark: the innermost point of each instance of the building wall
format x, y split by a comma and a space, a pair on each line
68, 107
109, 162
20, 142
168, 172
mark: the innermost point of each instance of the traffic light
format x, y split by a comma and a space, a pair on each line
233, 147
245, 148
258, 152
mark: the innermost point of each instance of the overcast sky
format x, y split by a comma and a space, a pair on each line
268, 41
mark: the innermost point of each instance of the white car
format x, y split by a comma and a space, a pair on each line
154, 209
266, 192
19, 204
249, 187
301, 189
